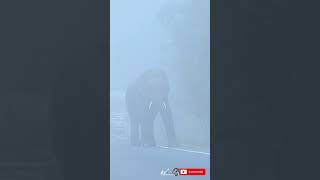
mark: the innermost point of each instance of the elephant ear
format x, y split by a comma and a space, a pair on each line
157, 84
141, 86
153, 84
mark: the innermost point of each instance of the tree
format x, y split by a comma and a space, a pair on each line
189, 24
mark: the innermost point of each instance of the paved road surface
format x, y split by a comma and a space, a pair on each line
134, 163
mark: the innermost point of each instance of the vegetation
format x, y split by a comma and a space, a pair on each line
189, 45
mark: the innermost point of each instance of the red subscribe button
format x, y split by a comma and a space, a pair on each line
192, 171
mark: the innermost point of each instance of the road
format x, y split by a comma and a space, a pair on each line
137, 163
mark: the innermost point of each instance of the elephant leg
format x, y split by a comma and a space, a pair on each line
133, 110
134, 131
147, 129
166, 116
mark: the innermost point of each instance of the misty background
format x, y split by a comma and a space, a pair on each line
172, 35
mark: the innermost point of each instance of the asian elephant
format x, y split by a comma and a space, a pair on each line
145, 98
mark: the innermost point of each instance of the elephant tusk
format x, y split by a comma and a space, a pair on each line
164, 105
150, 105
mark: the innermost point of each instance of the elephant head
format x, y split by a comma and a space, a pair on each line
145, 98
154, 85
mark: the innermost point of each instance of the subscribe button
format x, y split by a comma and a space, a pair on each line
192, 171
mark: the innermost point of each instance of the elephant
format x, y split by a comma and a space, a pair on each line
145, 98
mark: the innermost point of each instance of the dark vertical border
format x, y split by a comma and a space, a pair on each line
103, 75
60, 32
212, 98
214, 92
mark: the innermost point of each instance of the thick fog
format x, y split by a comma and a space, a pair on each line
172, 35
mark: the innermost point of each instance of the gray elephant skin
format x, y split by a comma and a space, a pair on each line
145, 98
